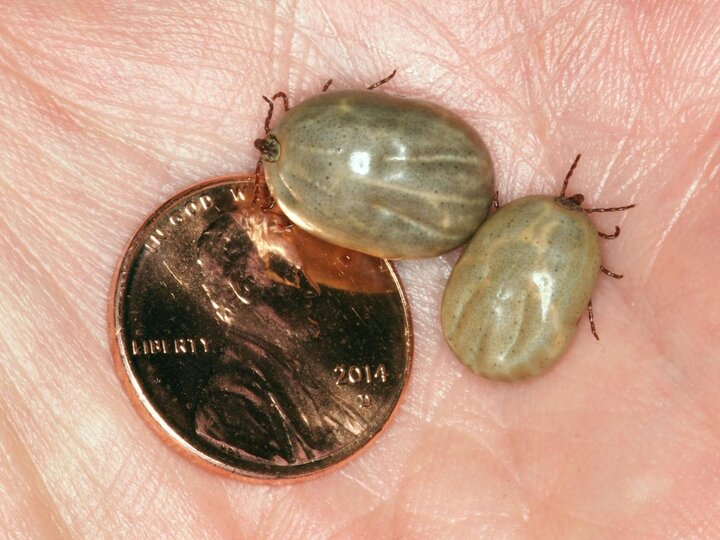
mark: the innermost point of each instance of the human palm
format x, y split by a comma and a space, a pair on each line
108, 108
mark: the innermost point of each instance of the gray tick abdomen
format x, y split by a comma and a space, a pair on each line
514, 298
388, 176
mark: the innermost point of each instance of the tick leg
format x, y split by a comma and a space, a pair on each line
382, 81
284, 224
592, 321
256, 187
269, 206
569, 174
327, 85
609, 273
496, 204
286, 102
269, 113
610, 236
616, 209
271, 107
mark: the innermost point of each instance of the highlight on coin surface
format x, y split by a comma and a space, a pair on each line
252, 347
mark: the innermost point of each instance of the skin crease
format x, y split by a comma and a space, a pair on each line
426, 187
110, 108
513, 300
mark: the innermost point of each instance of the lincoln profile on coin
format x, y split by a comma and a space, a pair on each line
267, 399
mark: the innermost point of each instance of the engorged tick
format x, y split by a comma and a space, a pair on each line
513, 300
385, 175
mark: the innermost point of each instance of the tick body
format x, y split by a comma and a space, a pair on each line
388, 176
514, 298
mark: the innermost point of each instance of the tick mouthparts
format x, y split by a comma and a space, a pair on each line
577, 198
573, 203
269, 148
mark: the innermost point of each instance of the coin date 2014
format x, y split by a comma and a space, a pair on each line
358, 374
351, 375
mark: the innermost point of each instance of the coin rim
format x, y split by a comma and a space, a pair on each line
144, 406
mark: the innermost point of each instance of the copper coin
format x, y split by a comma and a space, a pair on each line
252, 346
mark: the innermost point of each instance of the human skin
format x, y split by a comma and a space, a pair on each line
107, 109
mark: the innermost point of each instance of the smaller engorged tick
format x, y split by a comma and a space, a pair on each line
389, 176
514, 298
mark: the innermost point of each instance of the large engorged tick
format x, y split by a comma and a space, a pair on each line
514, 298
389, 176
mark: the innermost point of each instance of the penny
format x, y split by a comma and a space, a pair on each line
252, 347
